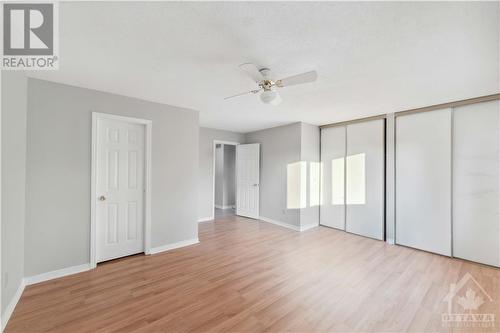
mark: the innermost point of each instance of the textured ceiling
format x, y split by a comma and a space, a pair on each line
371, 57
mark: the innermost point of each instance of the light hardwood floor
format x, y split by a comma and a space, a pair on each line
250, 276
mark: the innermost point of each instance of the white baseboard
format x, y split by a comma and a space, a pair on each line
172, 246
37, 279
390, 241
205, 219
289, 226
56, 274
281, 224
308, 226
224, 207
12, 304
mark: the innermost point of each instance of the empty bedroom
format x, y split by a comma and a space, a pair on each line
250, 166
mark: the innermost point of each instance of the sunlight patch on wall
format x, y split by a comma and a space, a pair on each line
296, 194
356, 180
338, 181
314, 183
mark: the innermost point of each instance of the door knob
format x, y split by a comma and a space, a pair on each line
102, 198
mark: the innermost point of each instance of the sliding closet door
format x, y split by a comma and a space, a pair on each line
365, 169
332, 210
476, 219
423, 181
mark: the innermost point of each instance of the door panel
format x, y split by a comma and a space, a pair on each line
476, 216
132, 159
120, 189
132, 220
248, 182
365, 170
112, 224
113, 169
423, 181
333, 149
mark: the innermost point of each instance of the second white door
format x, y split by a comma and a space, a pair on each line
247, 180
120, 189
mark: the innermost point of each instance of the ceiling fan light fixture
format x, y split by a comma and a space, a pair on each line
276, 100
270, 97
267, 86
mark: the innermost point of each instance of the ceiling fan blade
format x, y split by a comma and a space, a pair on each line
298, 79
253, 71
243, 93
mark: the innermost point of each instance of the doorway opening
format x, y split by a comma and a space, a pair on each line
224, 203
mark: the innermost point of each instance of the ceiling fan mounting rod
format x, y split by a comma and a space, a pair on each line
264, 71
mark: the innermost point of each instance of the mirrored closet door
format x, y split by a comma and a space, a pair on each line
423, 181
353, 178
476, 181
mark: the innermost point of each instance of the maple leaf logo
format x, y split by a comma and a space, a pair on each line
470, 301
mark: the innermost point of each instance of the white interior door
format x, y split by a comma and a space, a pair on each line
423, 181
119, 189
365, 171
333, 149
247, 184
476, 177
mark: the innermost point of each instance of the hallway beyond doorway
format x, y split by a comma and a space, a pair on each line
224, 212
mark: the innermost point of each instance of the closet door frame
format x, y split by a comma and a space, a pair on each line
390, 133
452, 106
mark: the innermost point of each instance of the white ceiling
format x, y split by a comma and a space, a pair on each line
372, 57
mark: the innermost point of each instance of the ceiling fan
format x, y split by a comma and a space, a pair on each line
267, 86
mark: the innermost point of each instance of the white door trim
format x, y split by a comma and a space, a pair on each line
216, 142
148, 124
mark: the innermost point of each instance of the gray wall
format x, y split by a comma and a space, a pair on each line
58, 171
279, 147
14, 89
309, 152
205, 180
229, 175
